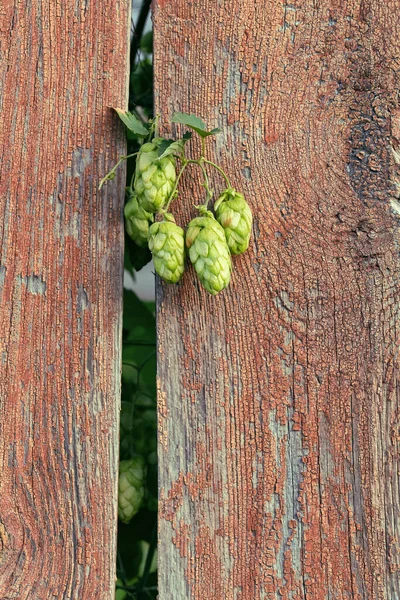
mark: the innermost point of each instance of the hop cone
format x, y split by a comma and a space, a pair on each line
130, 488
209, 253
167, 244
154, 178
234, 214
137, 219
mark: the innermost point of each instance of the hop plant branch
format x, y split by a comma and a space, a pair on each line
206, 183
220, 170
174, 189
210, 239
111, 174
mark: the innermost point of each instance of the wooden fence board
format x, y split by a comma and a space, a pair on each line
278, 399
62, 65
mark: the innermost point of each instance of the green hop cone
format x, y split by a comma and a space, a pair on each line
209, 252
154, 178
167, 244
130, 487
234, 214
137, 219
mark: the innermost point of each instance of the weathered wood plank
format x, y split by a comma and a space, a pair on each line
62, 65
278, 399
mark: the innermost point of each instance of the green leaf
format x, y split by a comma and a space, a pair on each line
151, 305
130, 136
164, 145
187, 136
190, 120
138, 321
138, 348
146, 43
132, 123
129, 547
128, 265
194, 123
168, 147
138, 256
120, 594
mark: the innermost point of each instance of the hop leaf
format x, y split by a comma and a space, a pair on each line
137, 220
154, 177
168, 147
234, 214
194, 123
167, 244
130, 487
209, 253
132, 123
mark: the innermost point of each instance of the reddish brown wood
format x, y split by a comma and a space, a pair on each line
62, 65
279, 403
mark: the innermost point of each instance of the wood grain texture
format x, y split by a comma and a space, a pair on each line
279, 398
62, 65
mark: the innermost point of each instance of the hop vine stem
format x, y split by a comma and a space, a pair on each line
220, 170
110, 174
200, 163
203, 147
172, 194
206, 183
132, 178
154, 128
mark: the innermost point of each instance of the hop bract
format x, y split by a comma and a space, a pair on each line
167, 244
130, 487
137, 219
154, 178
234, 214
209, 253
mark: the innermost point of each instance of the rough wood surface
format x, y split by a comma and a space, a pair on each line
62, 65
279, 398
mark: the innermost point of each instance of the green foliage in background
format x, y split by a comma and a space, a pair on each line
136, 564
136, 544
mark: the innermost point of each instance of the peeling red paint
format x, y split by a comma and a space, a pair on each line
284, 395
61, 260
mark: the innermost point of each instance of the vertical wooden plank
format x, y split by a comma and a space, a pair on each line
62, 65
278, 399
